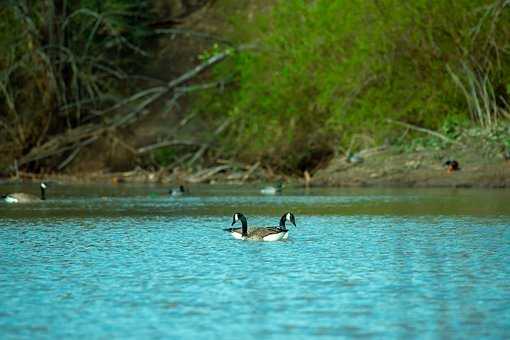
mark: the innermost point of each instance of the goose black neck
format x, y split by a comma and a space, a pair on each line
282, 221
43, 193
244, 224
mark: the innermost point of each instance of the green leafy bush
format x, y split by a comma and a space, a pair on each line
329, 72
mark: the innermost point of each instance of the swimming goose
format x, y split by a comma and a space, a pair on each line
287, 217
21, 197
177, 191
256, 234
270, 190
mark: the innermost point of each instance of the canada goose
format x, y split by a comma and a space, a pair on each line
287, 217
21, 197
452, 165
256, 234
177, 191
272, 190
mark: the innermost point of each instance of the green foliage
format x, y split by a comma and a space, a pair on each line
328, 71
165, 156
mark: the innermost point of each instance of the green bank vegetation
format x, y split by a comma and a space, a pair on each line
319, 78
329, 76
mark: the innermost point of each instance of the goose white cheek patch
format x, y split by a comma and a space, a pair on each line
11, 200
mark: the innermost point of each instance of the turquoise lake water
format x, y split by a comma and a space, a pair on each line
129, 262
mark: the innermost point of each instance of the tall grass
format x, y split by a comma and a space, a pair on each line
62, 62
484, 77
328, 74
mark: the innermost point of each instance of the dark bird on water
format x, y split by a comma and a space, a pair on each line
177, 191
21, 197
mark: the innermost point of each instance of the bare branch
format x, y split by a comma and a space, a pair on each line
420, 129
166, 143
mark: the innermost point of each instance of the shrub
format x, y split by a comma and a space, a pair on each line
330, 72
61, 63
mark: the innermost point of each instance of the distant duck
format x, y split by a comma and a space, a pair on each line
452, 165
255, 234
21, 197
287, 217
353, 158
272, 190
177, 191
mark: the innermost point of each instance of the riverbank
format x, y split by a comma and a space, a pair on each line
482, 165
388, 168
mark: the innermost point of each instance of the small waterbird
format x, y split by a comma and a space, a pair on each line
255, 234
21, 197
177, 191
272, 190
353, 158
452, 165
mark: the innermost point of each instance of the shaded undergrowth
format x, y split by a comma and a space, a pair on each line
71, 74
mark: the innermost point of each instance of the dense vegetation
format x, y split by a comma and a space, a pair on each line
332, 75
71, 73
319, 78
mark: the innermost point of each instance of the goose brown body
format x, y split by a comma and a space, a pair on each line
254, 233
21, 197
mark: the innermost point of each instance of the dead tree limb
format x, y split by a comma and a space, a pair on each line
204, 175
75, 139
205, 65
206, 146
250, 171
76, 151
420, 129
163, 144
191, 33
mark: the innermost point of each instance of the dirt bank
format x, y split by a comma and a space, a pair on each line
479, 167
384, 169
483, 163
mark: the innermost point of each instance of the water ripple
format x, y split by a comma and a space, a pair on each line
178, 275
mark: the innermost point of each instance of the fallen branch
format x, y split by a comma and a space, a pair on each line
201, 87
204, 175
76, 151
420, 129
163, 144
74, 139
190, 33
205, 65
250, 171
61, 143
206, 146
179, 161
